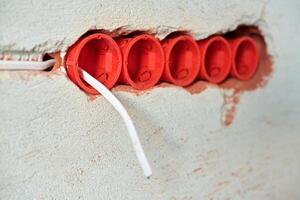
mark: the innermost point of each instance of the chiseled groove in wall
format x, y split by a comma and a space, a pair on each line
160, 32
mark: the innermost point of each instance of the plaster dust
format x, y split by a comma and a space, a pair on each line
57, 144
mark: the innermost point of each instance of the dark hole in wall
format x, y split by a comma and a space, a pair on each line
58, 61
45, 58
243, 30
177, 33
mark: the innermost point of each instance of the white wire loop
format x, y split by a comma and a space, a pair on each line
106, 93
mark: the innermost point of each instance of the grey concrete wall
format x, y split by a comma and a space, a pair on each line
54, 25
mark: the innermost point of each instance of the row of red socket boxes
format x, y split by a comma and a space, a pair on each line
142, 61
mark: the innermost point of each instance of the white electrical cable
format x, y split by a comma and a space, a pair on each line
35, 65
129, 124
25, 65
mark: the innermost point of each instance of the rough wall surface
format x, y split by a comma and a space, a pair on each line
60, 23
57, 144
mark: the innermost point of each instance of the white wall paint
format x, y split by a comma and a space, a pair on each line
55, 144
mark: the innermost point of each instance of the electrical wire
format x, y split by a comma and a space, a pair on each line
122, 111
26, 65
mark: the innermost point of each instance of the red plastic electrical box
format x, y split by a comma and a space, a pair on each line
244, 57
143, 61
100, 56
216, 59
182, 60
